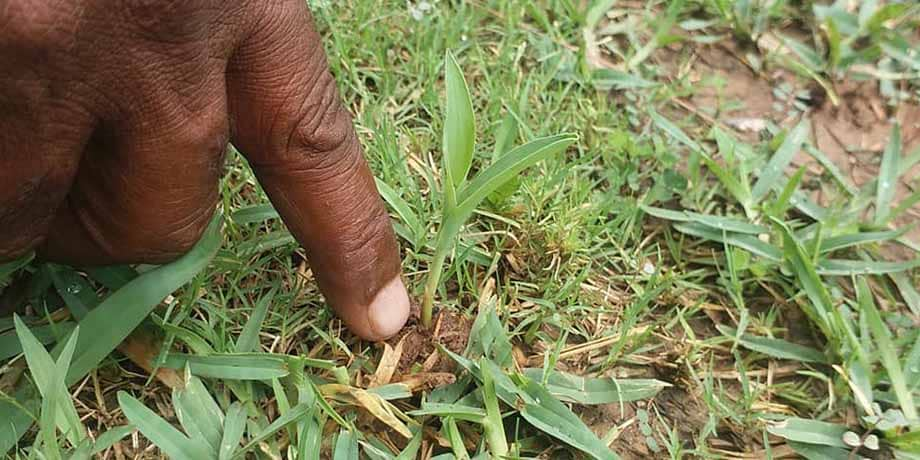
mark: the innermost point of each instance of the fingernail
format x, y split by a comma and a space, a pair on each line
389, 310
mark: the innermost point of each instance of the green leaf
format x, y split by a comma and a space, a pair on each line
110, 438
198, 413
44, 369
506, 168
674, 131
488, 337
402, 208
170, 440
810, 432
886, 348
7, 269
839, 242
776, 348
254, 213
411, 450
908, 291
582, 390
459, 125
775, 168
234, 426
231, 366
10, 344
839, 267
552, 417
596, 11
909, 442
457, 411
248, 341
747, 242
106, 326
296, 413
492, 423
346, 446
820, 307
888, 176
818, 452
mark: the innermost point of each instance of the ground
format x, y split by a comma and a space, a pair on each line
776, 295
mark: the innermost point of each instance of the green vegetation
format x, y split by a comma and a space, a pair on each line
666, 284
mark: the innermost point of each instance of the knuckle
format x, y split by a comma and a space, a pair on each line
165, 243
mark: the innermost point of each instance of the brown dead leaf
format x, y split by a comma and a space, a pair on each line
388, 364
425, 381
372, 403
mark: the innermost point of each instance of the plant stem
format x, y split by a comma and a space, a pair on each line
431, 287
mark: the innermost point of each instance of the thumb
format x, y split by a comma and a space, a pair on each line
300, 140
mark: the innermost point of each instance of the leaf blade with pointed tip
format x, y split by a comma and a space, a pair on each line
888, 176
774, 169
459, 125
170, 440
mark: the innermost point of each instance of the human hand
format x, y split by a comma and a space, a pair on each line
115, 115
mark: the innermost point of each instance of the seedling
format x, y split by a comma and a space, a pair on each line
462, 196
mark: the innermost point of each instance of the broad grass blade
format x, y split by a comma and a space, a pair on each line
170, 440
776, 348
198, 412
459, 125
555, 419
231, 366
583, 390
234, 426
810, 432
346, 446
119, 314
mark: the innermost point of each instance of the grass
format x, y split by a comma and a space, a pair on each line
690, 295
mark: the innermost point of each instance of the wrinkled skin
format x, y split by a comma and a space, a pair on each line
114, 117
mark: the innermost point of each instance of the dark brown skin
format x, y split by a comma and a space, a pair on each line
115, 115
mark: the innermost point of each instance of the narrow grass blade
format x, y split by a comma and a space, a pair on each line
197, 411
506, 168
887, 352
459, 125
346, 446
457, 411
170, 440
820, 306
492, 423
410, 452
254, 213
111, 437
234, 426
583, 390
248, 340
908, 291
888, 177
231, 366
775, 168
674, 131
552, 417
401, 207
839, 267
119, 314
296, 413
776, 348
839, 242
747, 242
810, 432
